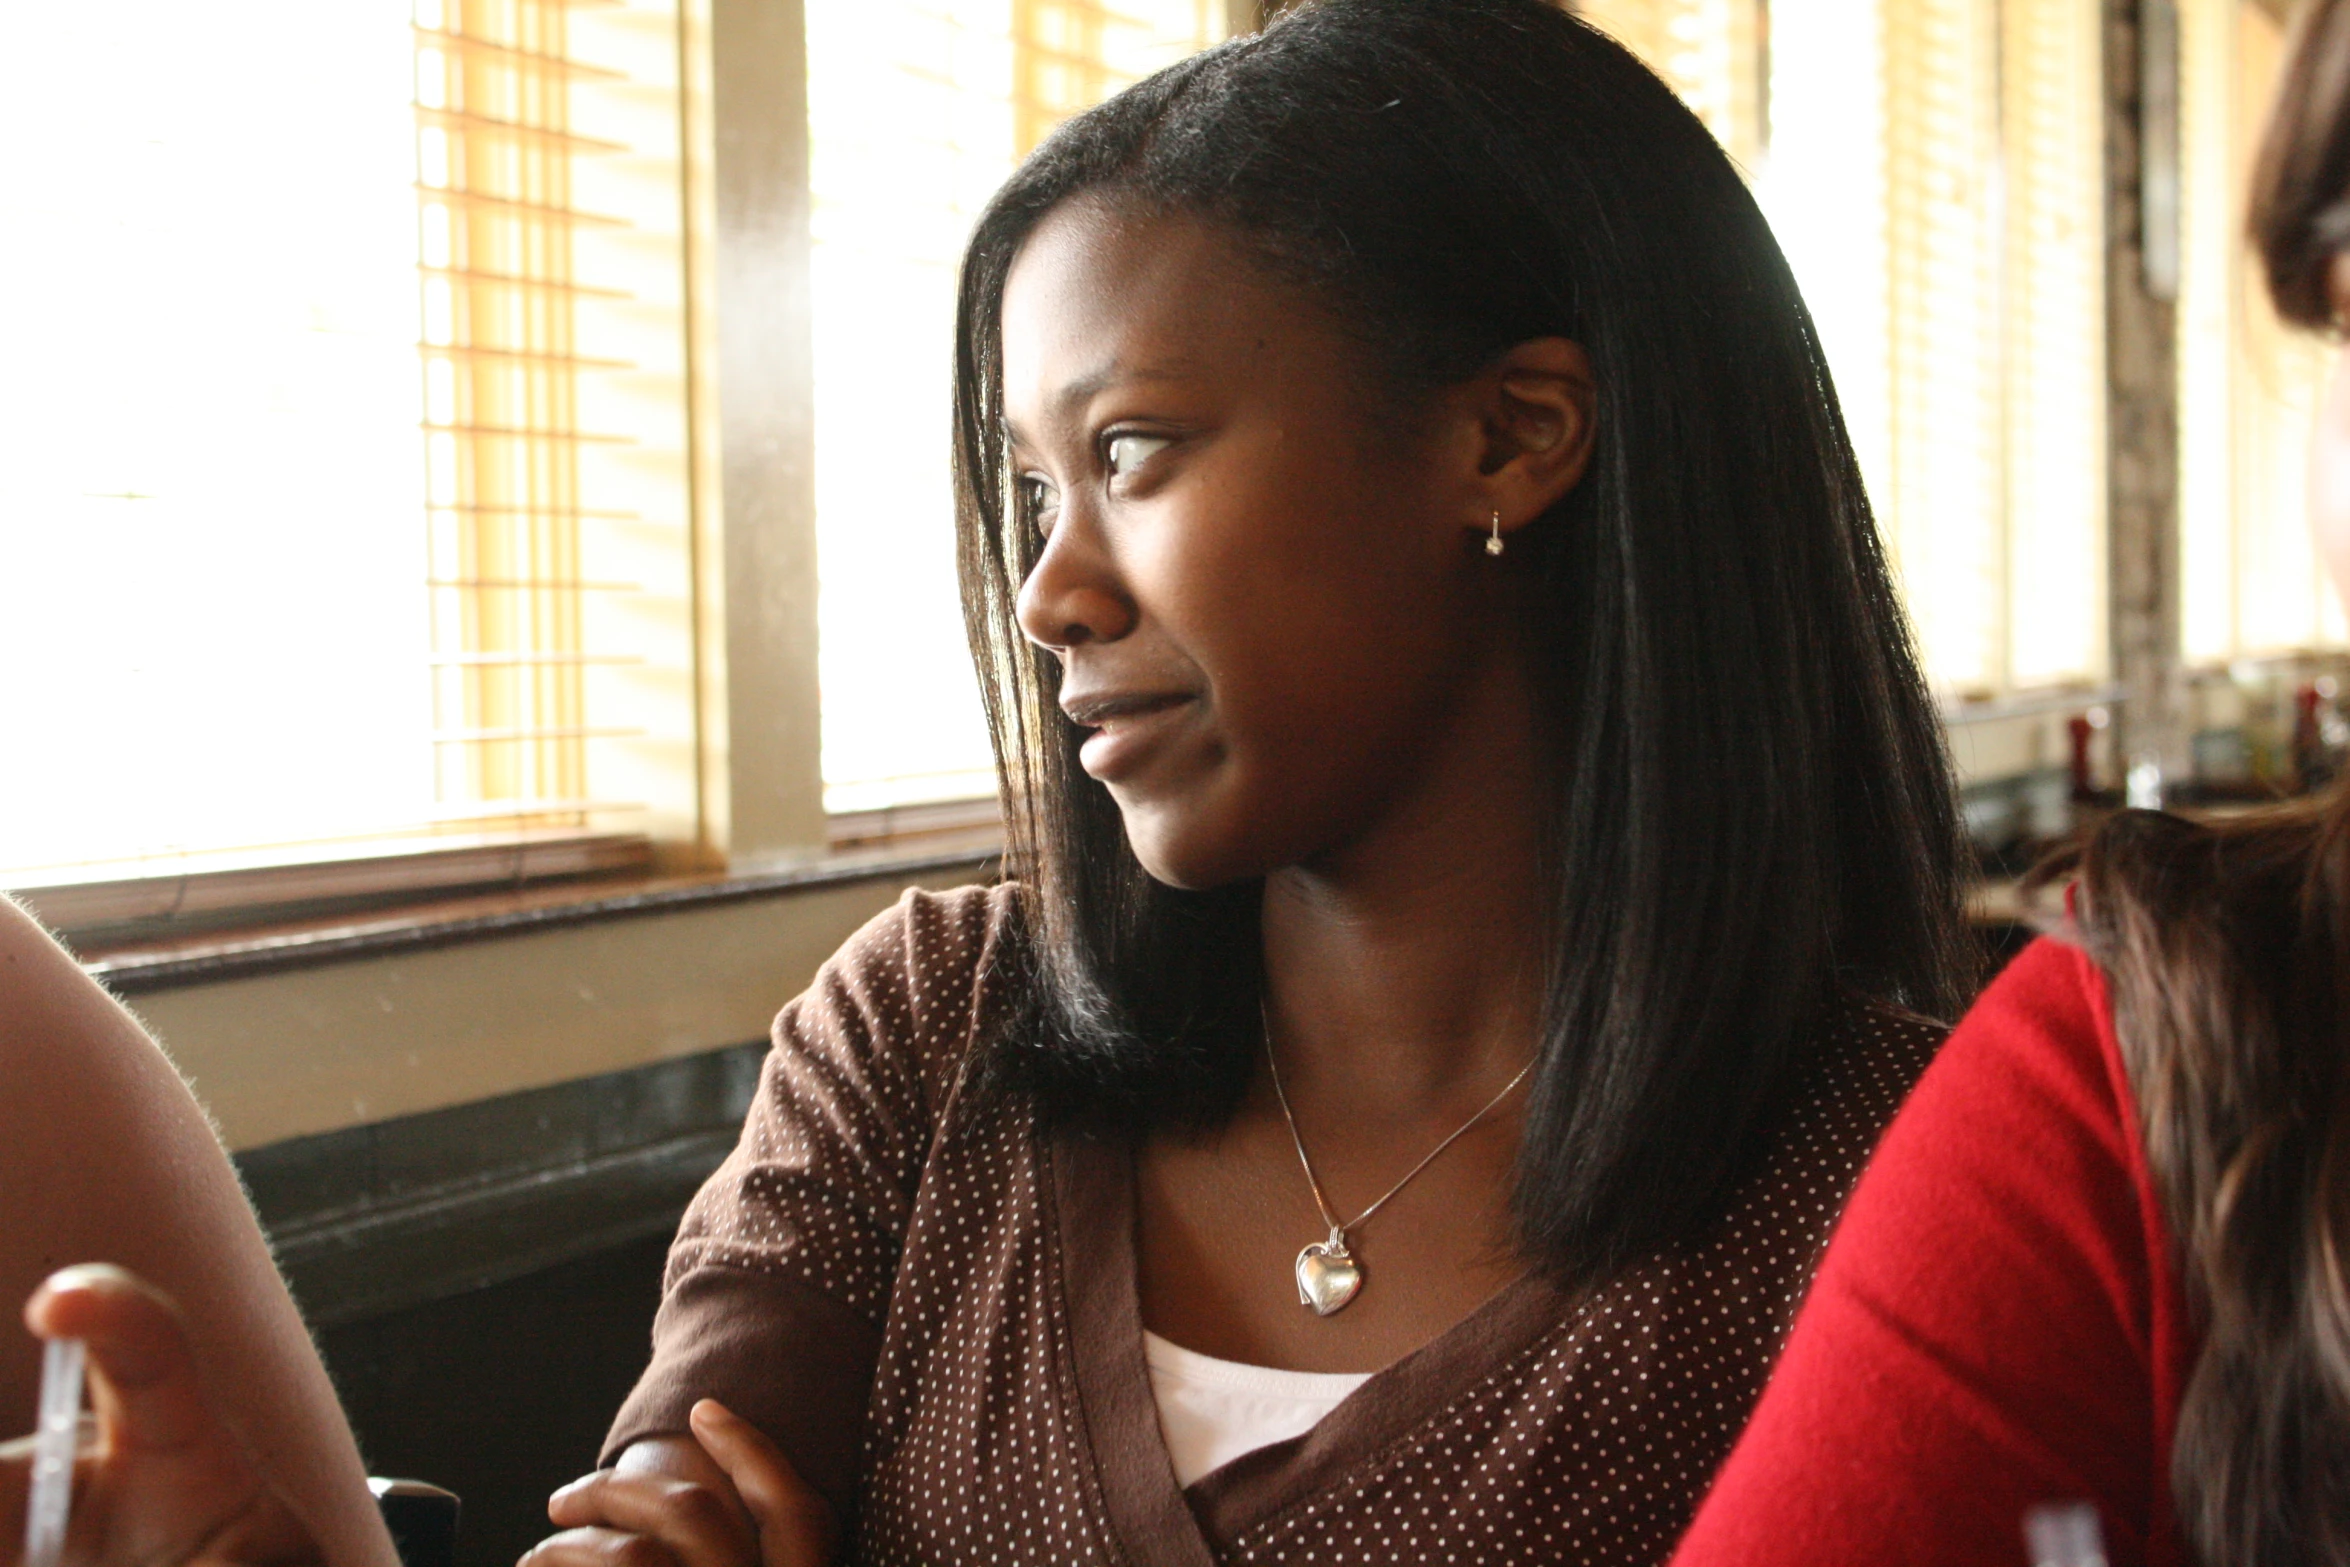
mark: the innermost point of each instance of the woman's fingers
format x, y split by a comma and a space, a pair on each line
694, 1524
168, 1482
795, 1524
598, 1547
145, 1388
667, 1506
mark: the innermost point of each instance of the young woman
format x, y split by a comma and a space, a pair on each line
2103, 1256
1478, 836
1479, 848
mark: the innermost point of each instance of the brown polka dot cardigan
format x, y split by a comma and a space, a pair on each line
932, 1308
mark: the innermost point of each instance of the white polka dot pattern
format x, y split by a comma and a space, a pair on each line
1596, 1444
865, 1175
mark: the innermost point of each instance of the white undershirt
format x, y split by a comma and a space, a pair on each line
1212, 1411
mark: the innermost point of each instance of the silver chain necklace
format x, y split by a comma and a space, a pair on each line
1329, 1275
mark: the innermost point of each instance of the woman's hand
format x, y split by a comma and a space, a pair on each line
168, 1483
725, 1498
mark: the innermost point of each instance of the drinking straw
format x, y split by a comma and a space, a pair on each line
2064, 1534
54, 1444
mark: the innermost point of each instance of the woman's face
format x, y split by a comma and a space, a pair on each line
1268, 599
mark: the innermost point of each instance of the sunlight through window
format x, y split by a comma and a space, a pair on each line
919, 109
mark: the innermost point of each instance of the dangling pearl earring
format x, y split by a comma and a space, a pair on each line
1493, 545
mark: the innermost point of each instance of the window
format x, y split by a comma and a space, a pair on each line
210, 551
1933, 169
2248, 387
918, 110
2051, 596
356, 498
353, 481
344, 462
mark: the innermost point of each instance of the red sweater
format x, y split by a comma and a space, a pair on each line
1997, 1322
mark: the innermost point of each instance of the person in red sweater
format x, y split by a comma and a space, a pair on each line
1996, 1325
2102, 1257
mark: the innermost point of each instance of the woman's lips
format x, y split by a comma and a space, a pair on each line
1126, 730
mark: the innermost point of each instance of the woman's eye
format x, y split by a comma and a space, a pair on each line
1129, 452
1040, 503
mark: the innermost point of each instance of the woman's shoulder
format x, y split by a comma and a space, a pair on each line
2057, 984
1871, 1029
1864, 1058
1883, 1085
2029, 1112
1993, 1325
930, 938
2038, 1042
2041, 1031
915, 984
2024, 1130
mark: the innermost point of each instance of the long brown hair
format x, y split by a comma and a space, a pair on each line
2227, 948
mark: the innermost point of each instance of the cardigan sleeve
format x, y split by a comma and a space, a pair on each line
1995, 1324
781, 1272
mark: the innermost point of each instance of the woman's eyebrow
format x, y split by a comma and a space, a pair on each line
1074, 395
1077, 393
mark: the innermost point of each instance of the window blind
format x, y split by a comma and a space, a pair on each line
502, 291
918, 110
209, 541
2251, 581
2052, 346
501, 370
1941, 494
551, 345
390, 547
1993, 486
1933, 169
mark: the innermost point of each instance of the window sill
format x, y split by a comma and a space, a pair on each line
142, 900
1959, 712
144, 963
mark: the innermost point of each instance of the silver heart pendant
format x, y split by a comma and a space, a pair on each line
1327, 1277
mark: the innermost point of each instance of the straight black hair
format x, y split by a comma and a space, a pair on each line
1751, 815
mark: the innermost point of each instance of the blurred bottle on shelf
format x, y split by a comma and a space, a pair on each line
2317, 755
2088, 799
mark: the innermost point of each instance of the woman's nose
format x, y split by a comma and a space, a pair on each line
1072, 594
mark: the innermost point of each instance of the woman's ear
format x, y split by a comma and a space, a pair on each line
1536, 405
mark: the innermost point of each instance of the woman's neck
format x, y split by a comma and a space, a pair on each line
1409, 963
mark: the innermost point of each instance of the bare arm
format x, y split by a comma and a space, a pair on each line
105, 1156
